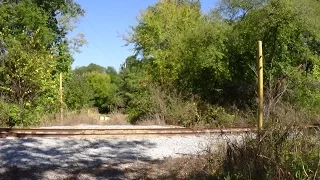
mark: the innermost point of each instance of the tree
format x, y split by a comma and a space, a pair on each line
134, 88
94, 86
181, 47
289, 38
101, 85
27, 66
90, 69
213, 56
78, 92
115, 78
33, 49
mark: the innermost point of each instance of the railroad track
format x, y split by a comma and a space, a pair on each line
51, 132
39, 132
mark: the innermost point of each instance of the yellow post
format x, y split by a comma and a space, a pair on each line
61, 98
260, 86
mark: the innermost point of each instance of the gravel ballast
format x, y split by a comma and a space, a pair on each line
70, 153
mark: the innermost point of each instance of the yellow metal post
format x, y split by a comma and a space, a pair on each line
61, 98
260, 86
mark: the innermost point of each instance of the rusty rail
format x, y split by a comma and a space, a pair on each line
53, 132
35, 132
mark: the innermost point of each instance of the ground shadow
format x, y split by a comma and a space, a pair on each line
32, 158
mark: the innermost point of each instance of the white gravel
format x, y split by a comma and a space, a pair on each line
66, 152
50, 155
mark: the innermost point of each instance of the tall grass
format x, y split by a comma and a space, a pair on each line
286, 149
85, 116
174, 108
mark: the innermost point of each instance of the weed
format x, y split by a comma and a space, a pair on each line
84, 116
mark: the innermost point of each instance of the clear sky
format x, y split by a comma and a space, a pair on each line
103, 26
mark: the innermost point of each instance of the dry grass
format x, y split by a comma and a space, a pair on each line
152, 120
192, 167
117, 119
86, 116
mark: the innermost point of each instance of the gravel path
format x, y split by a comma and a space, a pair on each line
67, 153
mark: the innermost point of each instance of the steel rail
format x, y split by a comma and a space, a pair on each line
16, 132
55, 132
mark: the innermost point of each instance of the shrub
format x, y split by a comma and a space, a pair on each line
212, 115
15, 115
276, 156
140, 106
285, 149
4, 113
157, 103
175, 109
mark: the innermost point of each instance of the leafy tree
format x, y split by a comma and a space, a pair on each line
27, 66
134, 88
33, 49
288, 37
101, 85
94, 86
214, 55
90, 69
181, 46
78, 92
115, 78
61, 17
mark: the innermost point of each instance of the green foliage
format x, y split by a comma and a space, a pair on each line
90, 69
180, 47
26, 75
140, 106
93, 85
12, 114
27, 72
33, 49
155, 103
114, 75
277, 156
100, 83
213, 56
78, 92
284, 28
133, 91
214, 115
4, 113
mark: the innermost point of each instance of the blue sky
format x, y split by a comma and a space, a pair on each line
103, 26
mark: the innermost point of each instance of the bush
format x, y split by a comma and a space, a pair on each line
140, 106
171, 107
4, 113
277, 155
78, 93
155, 103
285, 149
14, 115
212, 115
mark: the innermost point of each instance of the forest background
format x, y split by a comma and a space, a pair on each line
189, 67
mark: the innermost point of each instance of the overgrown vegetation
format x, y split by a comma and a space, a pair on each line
281, 153
189, 67
284, 150
33, 51
209, 60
